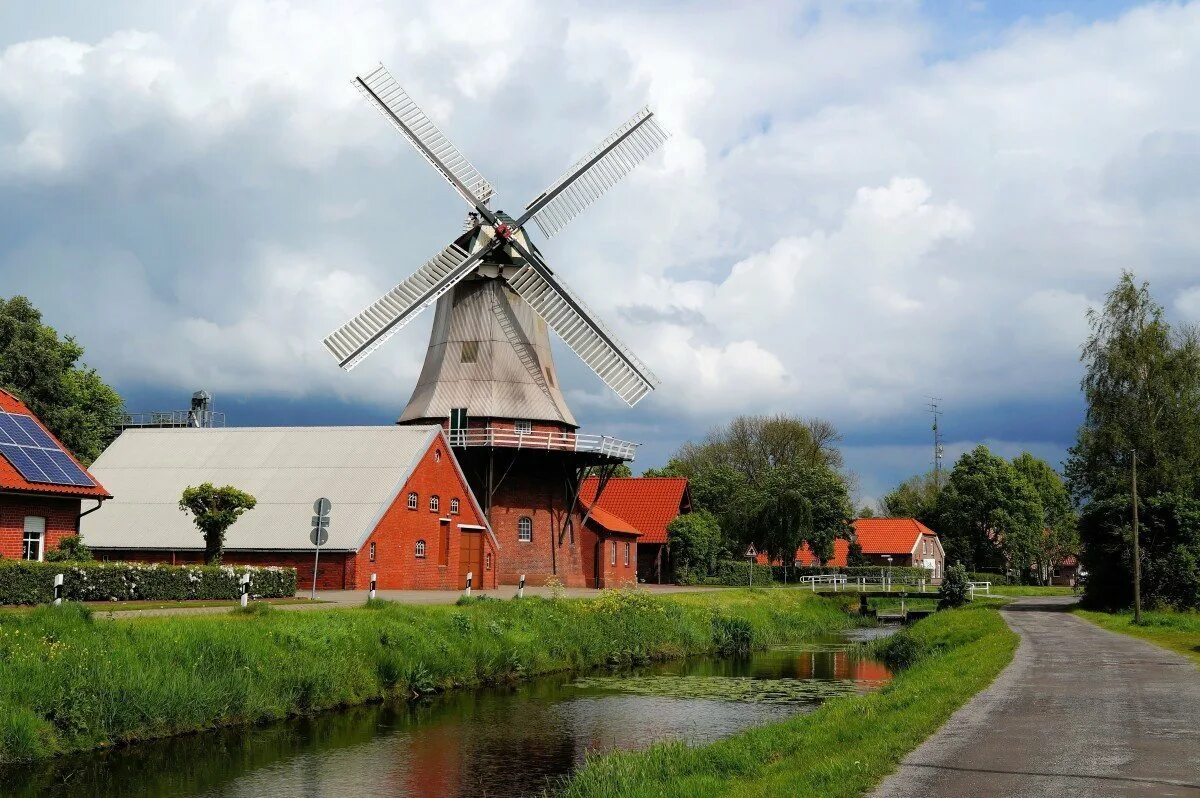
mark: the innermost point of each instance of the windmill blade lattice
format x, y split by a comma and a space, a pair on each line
382, 90
592, 175
587, 336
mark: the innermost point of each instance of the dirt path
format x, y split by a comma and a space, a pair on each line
1080, 712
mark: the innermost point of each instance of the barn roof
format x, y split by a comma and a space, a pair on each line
12, 480
647, 503
359, 469
889, 535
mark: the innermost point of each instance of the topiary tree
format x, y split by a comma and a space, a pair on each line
956, 587
70, 549
214, 510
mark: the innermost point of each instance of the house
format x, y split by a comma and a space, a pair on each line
648, 504
1067, 573
610, 549
42, 485
401, 505
895, 541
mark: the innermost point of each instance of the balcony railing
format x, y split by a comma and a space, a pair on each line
174, 418
551, 441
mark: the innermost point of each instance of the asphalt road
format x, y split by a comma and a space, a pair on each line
1079, 712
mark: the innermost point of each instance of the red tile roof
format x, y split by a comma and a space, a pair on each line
889, 535
10, 477
647, 503
611, 522
841, 553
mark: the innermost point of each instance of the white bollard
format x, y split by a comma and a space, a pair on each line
372, 593
521, 587
245, 590
58, 589
467, 593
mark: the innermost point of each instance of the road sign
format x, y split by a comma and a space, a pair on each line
322, 539
320, 520
750, 552
322, 506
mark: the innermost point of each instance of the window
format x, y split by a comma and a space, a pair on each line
434, 503
470, 352
412, 501
549, 376
626, 554
487, 561
525, 529
372, 551
523, 426
420, 550
454, 506
614, 553
34, 537
437, 455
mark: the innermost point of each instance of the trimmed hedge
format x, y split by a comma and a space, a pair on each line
23, 582
737, 574
988, 576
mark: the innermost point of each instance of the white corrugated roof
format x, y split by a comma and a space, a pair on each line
359, 469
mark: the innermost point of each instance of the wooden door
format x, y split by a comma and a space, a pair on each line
470, 558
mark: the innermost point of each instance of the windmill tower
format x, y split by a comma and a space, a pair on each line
489, 375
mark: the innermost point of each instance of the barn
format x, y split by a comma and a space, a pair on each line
887, 541
646, 505
401, 506
42, 485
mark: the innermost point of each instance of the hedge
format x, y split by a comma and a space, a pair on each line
988, 576
737, 574
23, 582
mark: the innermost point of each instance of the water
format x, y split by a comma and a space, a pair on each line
513, 741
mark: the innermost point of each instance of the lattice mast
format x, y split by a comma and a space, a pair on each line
934, 408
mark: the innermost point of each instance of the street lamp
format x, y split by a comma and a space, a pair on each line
888, 557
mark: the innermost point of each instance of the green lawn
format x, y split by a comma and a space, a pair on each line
842, 749
1178, 631
1031, 590
128, 606
70, 683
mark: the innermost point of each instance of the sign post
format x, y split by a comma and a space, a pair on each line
750, 555
319, 535
58, 589
470, 575
245, 590
521, 587
372, 594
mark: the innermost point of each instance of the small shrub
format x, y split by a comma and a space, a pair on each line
70, 549
732, 635
956, 589
556, 586
898, 651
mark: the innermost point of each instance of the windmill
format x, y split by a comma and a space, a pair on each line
488, 375
495, 248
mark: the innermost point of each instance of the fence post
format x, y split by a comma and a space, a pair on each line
245, 590
58, 589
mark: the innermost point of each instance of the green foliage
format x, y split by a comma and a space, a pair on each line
695, 542
796, 504
25, 582
619, 470
915, 497
956, 589
732, 635
989, 576
214, 510
71, 548
69, 684
735, 573
45, 372
854, 555
1142, 387
1059, 519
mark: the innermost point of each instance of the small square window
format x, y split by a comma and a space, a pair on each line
523, 426
470, 352
412, 501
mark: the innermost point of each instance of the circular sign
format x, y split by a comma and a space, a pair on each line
322, 506
319, 537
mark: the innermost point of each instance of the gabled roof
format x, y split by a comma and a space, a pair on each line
359, 469
647, 503
611, 522
889, 535
12, 480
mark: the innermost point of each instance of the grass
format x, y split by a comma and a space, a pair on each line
1032, 590
1177, 631
843, 748
69, 683
106, 607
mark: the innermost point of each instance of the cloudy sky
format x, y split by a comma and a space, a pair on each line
862, 204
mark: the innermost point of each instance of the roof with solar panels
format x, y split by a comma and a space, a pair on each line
34, 461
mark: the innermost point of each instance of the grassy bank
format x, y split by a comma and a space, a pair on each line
842, 749
70, 683
1178, 631
1032, 590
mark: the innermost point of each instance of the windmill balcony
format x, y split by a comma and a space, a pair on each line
552, 441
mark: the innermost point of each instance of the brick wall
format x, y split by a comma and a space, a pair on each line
397, 533
535, 487
60, 515
612, 575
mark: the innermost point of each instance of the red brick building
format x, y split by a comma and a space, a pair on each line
34, 514
906, 541
648, 504
402, 508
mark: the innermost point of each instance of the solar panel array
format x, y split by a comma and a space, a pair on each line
36, 455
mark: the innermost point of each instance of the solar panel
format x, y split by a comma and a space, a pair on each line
36, 455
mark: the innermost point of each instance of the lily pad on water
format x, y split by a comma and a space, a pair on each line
728, 688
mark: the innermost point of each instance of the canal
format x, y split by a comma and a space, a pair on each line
511, 741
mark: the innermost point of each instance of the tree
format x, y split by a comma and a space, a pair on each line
214, 510
1059, 520
956, 589
695, 542
915, 497
45, 372
989, 516
619, 470
70, 548
1140, 437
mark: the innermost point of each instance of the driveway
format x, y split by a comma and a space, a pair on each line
1079, 712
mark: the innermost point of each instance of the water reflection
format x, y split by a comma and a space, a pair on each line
497, 742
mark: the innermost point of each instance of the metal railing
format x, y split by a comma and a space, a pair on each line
549, 441
984, 587
866, 584
174, 418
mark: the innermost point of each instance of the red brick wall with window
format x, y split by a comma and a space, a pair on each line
537, 490
611, 576
60, 515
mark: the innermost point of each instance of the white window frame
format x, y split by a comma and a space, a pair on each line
434, 503
419, 549
371, 553
613, 559
34, 533
627, 547
523, 426
454, 506
412, 500
524, 529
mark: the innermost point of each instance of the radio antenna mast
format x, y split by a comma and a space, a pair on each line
938, 450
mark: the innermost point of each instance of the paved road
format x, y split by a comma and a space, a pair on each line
1080, 712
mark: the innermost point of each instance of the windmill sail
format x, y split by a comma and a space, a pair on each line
579, 328
360, 336
591, 176
382, 90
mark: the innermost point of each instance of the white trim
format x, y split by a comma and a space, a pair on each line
471, 526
